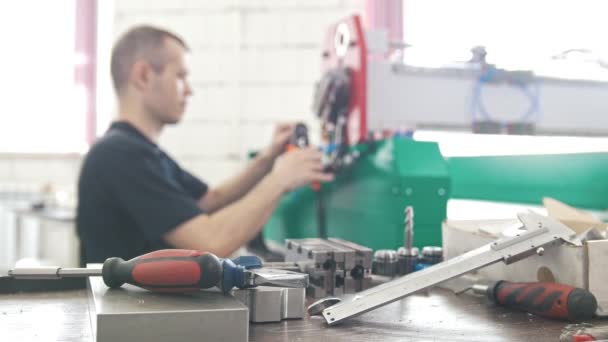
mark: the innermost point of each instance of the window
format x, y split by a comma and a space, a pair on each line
45, 97
517, 34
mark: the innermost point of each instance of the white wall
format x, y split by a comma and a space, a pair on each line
254, 62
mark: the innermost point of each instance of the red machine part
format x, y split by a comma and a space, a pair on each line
345, 47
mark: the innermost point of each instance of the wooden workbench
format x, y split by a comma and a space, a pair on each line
435, 316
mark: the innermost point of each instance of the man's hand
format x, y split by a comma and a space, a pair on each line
300, 167
280, 138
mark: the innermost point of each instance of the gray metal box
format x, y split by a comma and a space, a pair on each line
132, 314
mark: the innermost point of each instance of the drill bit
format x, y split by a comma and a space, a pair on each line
408, 254
409, 228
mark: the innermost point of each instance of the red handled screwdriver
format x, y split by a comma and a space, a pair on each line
545, 299
299, 139
175, 270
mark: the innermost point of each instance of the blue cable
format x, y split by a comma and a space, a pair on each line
530, 89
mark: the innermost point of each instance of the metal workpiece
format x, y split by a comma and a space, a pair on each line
276, 277
480, 289
385, 263
273, 304
320, 289
539, 232
325, 254
431, 255
130, 314
334, 266
323, 283
363, 255
407, 260
357, 280
286, 265
317, 307
357, 274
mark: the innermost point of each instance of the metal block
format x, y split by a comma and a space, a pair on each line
315, 291
352, 285
324, 260
132, 314
357, 277
273, 304
323, 253
363, 255
385, 263
294, 303
337, 266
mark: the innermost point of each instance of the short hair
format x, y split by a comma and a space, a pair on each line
140, 42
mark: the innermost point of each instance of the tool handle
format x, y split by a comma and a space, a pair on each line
168, 270
545, 299
316, 186
299, 139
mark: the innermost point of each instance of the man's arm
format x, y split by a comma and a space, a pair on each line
238, 186
226, 230
229, 228
242, 183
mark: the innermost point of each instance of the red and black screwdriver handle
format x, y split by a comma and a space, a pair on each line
178, 270
545, 299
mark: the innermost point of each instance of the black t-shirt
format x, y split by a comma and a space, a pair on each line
130, 193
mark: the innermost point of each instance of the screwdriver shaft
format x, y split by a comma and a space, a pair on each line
79, 272
52, 272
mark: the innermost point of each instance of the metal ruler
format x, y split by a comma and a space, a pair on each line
540, 233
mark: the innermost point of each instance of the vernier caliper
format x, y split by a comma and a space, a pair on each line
540, 232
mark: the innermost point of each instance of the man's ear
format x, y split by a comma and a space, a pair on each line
140, 75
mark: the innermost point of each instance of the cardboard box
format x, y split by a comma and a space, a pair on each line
583, 267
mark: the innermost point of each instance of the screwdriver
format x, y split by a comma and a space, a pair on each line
299, 139
175, 270
551, 300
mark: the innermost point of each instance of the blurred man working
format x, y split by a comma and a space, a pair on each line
133, 198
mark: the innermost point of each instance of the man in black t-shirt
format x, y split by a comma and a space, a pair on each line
134, 198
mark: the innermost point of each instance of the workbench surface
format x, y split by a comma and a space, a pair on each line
436, 316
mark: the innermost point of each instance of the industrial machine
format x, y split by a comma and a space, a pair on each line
367, 104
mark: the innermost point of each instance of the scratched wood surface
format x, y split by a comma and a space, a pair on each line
437, 316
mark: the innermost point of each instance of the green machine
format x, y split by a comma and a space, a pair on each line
365, 204
579, 180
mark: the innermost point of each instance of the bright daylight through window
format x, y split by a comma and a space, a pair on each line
563, 39
42, 109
